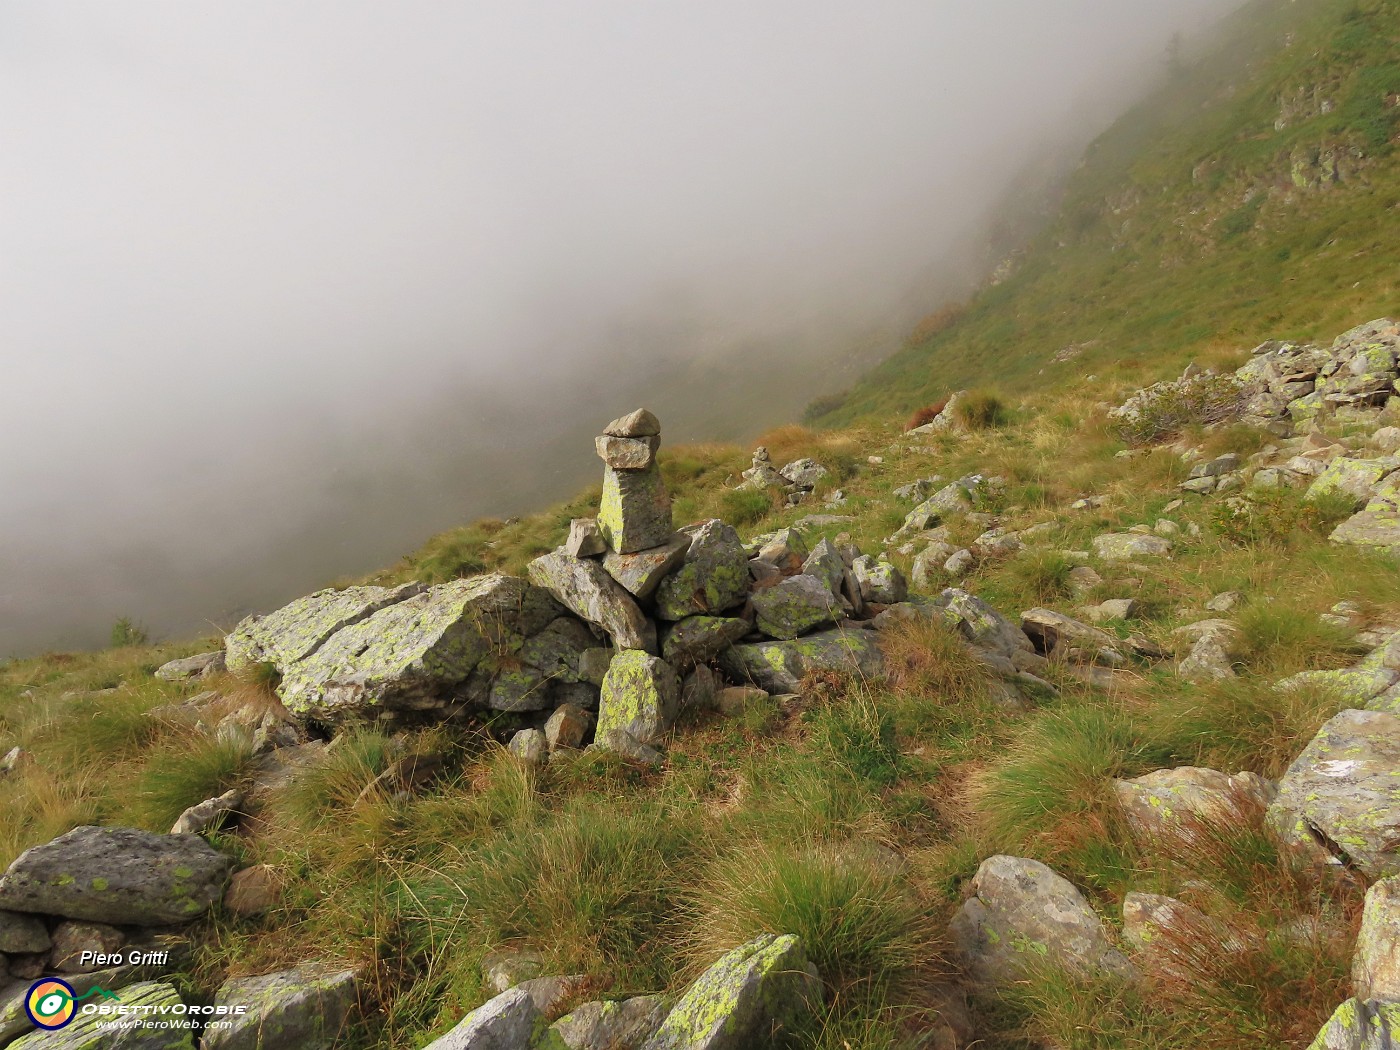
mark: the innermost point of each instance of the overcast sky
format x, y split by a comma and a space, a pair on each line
287, 286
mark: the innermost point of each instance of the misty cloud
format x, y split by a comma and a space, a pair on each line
286, 287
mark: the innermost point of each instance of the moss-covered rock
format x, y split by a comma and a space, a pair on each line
641, 572
1354, 479
586, 590
713, 578
741, 1002
121, 876
411, 654
608, 1025
299, 628
778, 667
641, 695
1022, 917
1171, 802
1360, 1025
304, 1008
635, 511
697, 639
1378, 530
795, 606
1341, 796
1375, 969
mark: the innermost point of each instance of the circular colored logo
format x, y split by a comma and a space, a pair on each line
50, 1003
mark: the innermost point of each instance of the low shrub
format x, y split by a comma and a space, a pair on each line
1163, 410
925, 415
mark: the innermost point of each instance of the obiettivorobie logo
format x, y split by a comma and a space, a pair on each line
52, 1004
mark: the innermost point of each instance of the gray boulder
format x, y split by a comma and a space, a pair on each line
1124, 546
199, 666
117, 875
298, 629
1377, 530
744, 999
1171, 802
585, 589
779, 667
506, 1022
639, 423
641, 696
804, 474
568, 727
795, 606
713, 578
635, 511
640, 573
698, 639
530, 746
146, 999
1022, 916
879, 581
981, 624
22, 934
825, 563
1338, 799
1360, 1025
623, 453
610, 1025
1055, 634
584, 540
305, 1008
412, 654
1375, 968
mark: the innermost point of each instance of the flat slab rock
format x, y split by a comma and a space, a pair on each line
1341, 798
779, 666
121, 876
752, 992
299, 628
1022, 915
304, 1008
584, 587
417, 649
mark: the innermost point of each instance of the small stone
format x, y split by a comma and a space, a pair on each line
622, 453
201, 666
569, 727
786, 549
530, 746
253, 891
959, 563
699, 689
209, 815
1225, 601
584, 540
879, 581
735, 698
1083, 579
593, 664
636, 424
621, 742
504, 970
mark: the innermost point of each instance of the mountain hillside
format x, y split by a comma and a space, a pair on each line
1064, 715
1257, 192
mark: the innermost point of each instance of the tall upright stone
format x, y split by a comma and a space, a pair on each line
635, 512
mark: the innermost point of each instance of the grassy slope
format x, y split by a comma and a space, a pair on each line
781, 819
1184, 232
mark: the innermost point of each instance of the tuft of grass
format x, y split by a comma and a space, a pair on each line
869, 935
858, 737
187, 771
324, 791
1279, 637
1039, 576
743, 507
980, 410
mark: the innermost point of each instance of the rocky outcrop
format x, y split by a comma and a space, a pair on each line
743, 1000
119, 876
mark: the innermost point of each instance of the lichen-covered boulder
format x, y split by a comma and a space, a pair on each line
1377, 530
1375, 965
980, 624
299, 628
879, 581
506, 1022
698, 639
1124, 546
1353, 686
635, 511
713, 578
1353, 479
1022, 916
1341, 796
304, 1008
779, 667
148, 1000
825, 563
743, 1000
641, 696
411, 654
956, 498
121, 876
1056, 634
1360, 1025
641, 572
795, 606
1172, 802
585, 589
608, 1025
